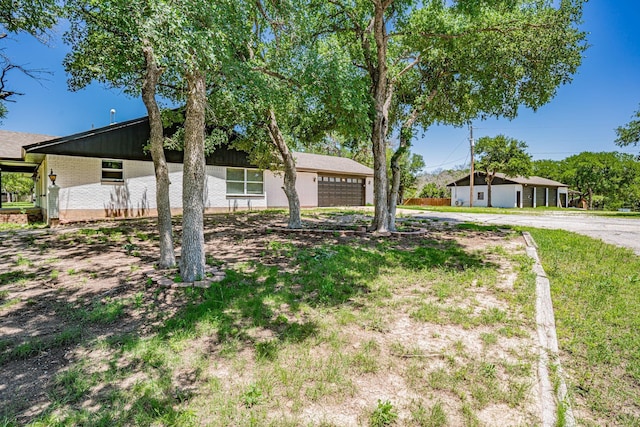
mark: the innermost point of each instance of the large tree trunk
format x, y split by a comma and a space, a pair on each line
394, 193
489, 181
193, 258
406, 133
382, 93
149, 84
290, 175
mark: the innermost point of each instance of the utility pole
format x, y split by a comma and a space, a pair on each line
472, 172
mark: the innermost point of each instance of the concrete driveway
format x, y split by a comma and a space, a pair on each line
618, 231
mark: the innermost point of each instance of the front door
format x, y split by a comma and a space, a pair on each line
518, 198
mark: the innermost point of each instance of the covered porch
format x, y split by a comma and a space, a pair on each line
13, 161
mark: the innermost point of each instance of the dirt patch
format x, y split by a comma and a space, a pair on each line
78, 296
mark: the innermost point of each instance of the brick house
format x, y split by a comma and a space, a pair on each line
106, 172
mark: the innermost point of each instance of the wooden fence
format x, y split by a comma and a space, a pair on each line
428, 202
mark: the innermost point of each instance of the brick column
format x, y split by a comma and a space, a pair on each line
53, 208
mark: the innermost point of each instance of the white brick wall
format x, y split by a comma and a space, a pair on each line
502, 196
216, 192
81, 187
305, 184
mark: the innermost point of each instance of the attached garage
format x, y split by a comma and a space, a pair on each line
340, 190
324, 181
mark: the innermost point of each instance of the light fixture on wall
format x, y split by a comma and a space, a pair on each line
314, 179
52, 177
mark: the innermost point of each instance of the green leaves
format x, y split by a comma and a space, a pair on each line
35, 17
493, 57
611, 180
503, 154
32, 16
16, 183
629, 134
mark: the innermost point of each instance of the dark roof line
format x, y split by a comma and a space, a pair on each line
532, 180
84, 134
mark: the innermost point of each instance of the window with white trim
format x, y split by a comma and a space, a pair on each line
112, 171
480, 195
242, 181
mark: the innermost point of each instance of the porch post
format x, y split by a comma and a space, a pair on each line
53, 205
546, 196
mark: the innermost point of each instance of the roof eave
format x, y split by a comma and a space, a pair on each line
36, 147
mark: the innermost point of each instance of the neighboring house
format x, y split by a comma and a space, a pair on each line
510, 192
106, 172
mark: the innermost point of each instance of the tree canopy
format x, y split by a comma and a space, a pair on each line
16, 183
629, 134
607, 180
178, 49
502, 154
34, 17
468, 60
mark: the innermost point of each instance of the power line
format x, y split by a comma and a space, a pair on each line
450, 154
456, 161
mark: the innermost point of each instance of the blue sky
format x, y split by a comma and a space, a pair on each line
582, 117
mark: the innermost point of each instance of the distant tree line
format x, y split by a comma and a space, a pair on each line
606, 180
16, 186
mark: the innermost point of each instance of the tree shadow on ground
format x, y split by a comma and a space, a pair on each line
259, 308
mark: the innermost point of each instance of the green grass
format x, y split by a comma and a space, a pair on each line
15, 276
383, 415
271, 341
34, 346
596, 294
17, 205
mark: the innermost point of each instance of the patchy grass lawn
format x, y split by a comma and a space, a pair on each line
17, 205
596, 295
306, 329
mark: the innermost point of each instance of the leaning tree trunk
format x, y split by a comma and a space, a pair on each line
193, 258
149, 84
382, 94
289, 171
396, 175
406, 133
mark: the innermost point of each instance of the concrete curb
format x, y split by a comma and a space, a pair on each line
546, 330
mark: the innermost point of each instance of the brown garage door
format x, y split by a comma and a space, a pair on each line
340, 191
